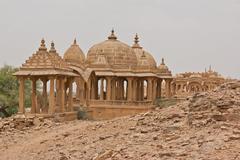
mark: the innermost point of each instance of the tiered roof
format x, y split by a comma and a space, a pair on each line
45, 63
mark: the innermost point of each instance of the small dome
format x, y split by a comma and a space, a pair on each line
118, 54
74, 54
162, 66
143, 61
144, 58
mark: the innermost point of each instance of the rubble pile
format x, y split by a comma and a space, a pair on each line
22, 123
221, 105
206, 126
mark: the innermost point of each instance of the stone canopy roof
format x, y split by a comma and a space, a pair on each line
45, 63
74, 54
112, 52
111, 56
145, 59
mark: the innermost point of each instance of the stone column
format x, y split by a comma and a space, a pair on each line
44, 96
62, 95
70, 95
88, 92
154, 91
91, 92
142, 90
80, 86
149, 96
122, 89
95, 88
109, 88
159, 94
51, 109
174, 89
78, 90
21, 108
137, 90
134, 88
58, 93
116, 89
113, 89
168, 88
101, 90
34, 96
129, 89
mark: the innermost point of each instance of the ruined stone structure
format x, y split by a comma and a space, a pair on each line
114, 79
185, 84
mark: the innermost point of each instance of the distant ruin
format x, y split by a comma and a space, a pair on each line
185, 84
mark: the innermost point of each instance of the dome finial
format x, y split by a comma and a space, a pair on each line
210, 68
42, 46
75, 41
143, 54
52, 49
43, 42
112, 36
136, 40
163, 63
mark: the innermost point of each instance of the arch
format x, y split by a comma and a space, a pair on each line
194, 87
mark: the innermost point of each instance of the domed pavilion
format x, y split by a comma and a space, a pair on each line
113, 79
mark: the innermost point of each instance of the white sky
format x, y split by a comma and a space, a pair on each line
189, 34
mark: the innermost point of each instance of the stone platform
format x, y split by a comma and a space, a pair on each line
102, 110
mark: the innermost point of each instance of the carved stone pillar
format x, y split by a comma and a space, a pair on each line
58, 93
134, 88
137, 93
62, 95
142, 90
93, 89
150, 86
159, 90
154, 90
70, 96
113, 89
109, 88
129, 88
121, 89
168, 88
51, 109
44, 96
34, 96
21, 108
101, 90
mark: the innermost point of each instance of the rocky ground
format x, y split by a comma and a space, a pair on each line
204, 127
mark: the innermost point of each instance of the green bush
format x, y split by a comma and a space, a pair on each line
9, 90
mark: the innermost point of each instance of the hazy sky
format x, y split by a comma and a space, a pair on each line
189, 34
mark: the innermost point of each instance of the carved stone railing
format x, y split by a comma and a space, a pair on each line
121, 103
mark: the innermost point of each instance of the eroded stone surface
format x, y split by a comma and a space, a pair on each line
199, 128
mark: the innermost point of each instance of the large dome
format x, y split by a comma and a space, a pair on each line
74, 54
144, 58
118, 54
